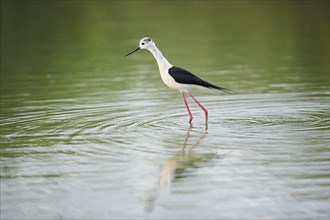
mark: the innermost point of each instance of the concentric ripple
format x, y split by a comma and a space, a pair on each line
144, 142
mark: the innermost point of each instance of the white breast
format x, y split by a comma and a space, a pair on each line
168, 79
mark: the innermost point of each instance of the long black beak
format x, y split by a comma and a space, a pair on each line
133, 51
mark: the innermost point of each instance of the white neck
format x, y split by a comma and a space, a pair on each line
161, 60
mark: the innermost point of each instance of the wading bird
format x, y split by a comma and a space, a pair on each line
176, 77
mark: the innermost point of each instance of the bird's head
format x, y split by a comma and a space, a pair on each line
145, 43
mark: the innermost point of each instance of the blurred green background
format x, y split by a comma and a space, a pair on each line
78, 38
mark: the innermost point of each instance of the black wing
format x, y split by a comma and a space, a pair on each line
185, 77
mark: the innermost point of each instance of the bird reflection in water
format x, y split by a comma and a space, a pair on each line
172, 166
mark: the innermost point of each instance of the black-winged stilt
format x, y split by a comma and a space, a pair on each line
177, 78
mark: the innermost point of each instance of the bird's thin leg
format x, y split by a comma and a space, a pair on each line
202, 107
185, 102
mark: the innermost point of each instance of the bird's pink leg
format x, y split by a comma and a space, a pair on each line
185, 102
202, 107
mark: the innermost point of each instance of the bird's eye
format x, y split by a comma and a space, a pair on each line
142, 43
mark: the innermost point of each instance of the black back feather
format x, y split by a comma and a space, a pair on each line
185, 77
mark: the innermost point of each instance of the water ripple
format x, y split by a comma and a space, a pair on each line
142, 139
101, 118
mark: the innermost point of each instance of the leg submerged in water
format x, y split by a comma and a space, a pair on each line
185, 102
201, 106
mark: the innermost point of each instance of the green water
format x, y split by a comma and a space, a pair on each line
88, 133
